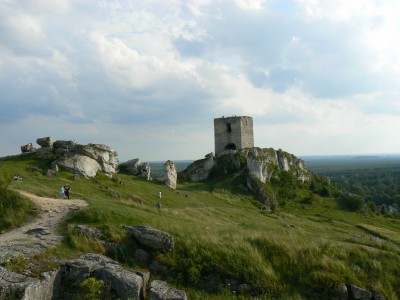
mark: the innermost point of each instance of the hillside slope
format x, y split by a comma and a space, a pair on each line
225, 244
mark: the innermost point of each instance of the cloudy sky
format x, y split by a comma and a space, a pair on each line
147, 77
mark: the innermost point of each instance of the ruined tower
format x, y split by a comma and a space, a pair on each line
233, 133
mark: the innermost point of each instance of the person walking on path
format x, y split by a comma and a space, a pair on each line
62, 192
67, 189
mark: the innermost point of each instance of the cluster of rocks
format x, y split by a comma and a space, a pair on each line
257, 164
66, 281
260, 163
352, 291
135, 167
85, 160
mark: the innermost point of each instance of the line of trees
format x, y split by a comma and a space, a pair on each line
379, 188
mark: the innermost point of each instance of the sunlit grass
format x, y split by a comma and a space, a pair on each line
298, 252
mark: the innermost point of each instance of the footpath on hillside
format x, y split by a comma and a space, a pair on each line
41, 233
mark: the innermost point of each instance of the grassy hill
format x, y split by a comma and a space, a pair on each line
224, 243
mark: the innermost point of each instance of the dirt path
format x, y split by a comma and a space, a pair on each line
41, 233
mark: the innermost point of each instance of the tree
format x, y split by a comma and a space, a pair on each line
372, 206
352, 201
384, 210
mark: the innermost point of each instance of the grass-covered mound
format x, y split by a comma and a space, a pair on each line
14, 208
225, 245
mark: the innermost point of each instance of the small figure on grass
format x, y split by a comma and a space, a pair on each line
158, 204
67, 189
62, 192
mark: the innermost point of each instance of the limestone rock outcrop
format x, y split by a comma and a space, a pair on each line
131, 166
124, 284
145, 171
28, 148
86, 160
17, 286
159, 290
152, 238
45, 142
263, 163
103, 154
12, 284
80, 159
79, 164
65, 282
199, 170
170, 174
260, 163
41, 289
135, 167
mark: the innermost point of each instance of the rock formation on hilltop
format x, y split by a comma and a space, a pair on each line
85, 160
134, 167
253, 167
260, 163
131, 166
200, 169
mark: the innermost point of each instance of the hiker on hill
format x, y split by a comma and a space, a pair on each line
67, 189
62, 192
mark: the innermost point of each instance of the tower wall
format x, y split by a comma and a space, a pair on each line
233, 133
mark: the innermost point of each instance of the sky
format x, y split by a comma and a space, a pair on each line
148, 77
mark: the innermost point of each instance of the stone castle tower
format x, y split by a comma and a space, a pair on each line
233, 133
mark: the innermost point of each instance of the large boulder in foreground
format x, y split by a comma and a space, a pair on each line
124, 284
17, 286
152, 238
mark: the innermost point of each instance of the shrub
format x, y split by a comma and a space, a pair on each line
91, 289
352, 202
17, 263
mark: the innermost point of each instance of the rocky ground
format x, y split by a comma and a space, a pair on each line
41, 233
65, 282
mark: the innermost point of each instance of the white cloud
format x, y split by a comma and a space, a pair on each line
337, 10
148, 77
22, 34
250, 4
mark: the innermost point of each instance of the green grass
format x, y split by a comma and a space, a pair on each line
14, 208
299, 252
